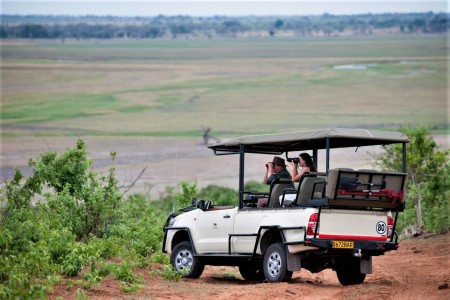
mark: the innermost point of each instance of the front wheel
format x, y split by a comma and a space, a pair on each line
275, 264
183, 261
348, 272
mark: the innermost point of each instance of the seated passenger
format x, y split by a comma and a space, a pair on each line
274, 169
307, 165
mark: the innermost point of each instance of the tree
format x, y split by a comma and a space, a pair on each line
428, 183
82, 198
278, 24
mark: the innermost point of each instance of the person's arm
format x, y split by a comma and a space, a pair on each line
304, 170
269, 171
296, 175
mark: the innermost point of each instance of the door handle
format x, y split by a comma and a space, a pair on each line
226, 216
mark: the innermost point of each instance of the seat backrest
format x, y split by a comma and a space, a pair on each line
332, 178
311, 188
276, 190
371, 176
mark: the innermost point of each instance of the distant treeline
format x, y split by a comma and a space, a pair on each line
107, 27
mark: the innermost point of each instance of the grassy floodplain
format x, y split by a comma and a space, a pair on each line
235, 86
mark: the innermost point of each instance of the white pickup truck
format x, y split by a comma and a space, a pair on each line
338, 219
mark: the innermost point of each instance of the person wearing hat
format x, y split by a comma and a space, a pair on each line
276, 169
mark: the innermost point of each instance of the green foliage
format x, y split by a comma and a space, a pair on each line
81, 295
161, 258
130, 287
138, 226
428, 181
125, 272
166, 203
106, 269
189, 191
79, 221
82, 201
219, 195
68, 170
89, 280
78, 256
256, 186
169, 273
108, 27
171, 200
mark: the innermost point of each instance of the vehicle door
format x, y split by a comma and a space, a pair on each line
213, 229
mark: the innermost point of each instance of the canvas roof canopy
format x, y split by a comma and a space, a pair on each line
309, 140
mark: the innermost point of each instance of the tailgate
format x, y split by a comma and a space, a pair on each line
353, 225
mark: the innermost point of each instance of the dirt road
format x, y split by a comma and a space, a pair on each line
420, 269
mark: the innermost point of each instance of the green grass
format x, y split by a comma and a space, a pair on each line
74, 106
173, 87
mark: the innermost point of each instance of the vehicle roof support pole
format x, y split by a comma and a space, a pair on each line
328, 154
404, 158
316, 158
241, 175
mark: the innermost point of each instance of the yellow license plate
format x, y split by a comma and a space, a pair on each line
343, 245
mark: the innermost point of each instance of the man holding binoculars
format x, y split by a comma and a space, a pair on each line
276, 169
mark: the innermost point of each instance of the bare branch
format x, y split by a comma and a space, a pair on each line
134, 181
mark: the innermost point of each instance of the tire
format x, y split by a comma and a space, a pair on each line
183, 261
252, 271
348, 272
275, 264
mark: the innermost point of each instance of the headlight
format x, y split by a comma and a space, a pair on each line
172, 221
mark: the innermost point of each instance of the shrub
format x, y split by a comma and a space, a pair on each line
427, 184
219, 195
169, 273
79, 221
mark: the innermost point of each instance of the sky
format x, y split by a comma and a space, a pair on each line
217, 7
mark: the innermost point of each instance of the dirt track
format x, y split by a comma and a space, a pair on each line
420, 269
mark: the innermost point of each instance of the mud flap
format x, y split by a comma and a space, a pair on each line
293, 262
366, 265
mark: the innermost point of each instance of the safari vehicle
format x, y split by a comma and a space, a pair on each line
338, 219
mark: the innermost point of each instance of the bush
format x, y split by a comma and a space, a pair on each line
428, 181
256, 186
80, 221
219, 195
138, 226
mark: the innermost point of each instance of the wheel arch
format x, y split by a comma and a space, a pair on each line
269, 237
181, 235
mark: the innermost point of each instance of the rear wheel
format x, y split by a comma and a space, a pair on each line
348, 271
275, 264
183, 261
252, 271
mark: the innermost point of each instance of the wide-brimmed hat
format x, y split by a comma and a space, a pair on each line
278, 161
